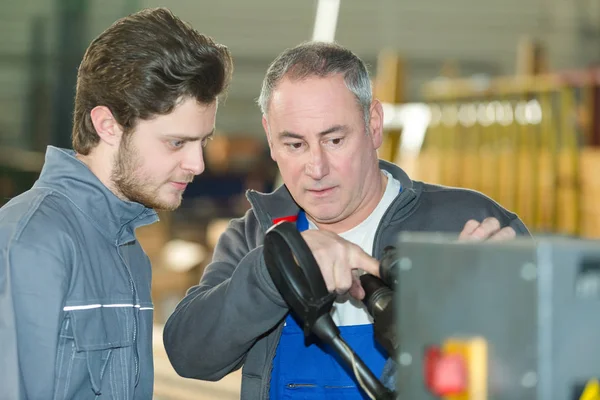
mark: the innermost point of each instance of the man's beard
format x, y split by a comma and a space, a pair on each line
134, 186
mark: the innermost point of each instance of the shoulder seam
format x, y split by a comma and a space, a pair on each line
27, 217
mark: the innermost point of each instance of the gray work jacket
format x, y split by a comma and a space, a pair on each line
75, 306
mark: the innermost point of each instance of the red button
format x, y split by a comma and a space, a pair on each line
445, 374
432, 356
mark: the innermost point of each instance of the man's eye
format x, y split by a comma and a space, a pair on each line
335, 142
176, 143
294, 146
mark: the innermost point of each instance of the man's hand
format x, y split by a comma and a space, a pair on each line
339, 261
488, 229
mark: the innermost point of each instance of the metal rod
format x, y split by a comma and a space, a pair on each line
367, 380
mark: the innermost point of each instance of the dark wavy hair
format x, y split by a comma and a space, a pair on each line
142, 66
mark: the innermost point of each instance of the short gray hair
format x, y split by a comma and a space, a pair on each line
319, 59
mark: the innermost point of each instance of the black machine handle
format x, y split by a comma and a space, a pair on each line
296, 274
298, 278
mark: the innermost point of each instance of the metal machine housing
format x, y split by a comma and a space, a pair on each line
535, 302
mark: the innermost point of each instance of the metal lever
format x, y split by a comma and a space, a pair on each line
298, 278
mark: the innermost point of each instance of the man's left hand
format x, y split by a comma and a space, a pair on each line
488, 229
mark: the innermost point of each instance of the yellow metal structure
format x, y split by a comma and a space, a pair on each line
529, 142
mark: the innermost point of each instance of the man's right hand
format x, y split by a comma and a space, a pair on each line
340, 261
488, 229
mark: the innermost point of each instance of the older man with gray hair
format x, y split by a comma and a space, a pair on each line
323, 128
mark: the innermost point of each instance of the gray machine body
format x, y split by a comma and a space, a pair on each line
537, 304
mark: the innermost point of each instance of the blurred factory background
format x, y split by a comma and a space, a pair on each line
498, 96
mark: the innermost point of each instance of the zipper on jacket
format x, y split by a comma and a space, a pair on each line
269, 365
380, 228
135, 322
312, 385
391, 209
299, 385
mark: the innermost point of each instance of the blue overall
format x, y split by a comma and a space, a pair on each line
314, 370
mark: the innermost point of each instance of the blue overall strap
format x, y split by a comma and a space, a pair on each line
315, 371
302, 221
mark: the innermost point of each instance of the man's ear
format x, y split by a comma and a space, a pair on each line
376, 123
107, 128
265, 125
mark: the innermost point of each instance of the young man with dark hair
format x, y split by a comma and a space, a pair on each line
74, 282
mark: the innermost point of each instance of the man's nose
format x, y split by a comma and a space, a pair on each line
194, 161
318, 166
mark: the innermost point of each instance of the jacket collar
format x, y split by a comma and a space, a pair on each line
114, 218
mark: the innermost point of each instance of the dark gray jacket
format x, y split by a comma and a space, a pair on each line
234, 317
75, 306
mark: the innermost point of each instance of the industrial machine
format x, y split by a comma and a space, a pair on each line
497, 320
463, 320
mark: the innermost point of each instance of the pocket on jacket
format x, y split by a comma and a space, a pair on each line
102, 350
